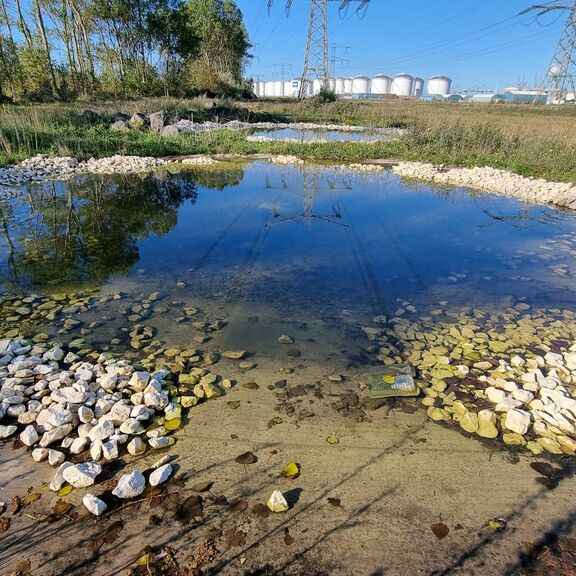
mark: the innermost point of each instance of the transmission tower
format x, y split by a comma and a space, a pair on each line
560, 77
316, 59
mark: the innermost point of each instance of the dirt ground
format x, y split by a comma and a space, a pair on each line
364, 506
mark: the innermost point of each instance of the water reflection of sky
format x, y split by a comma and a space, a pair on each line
301, 236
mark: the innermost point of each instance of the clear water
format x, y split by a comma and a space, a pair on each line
326, 135
303, 243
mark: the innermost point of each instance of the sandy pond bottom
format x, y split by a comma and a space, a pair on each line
315, 254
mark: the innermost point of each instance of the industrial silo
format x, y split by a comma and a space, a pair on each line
278, 89
316, 86
361, 85
439, 85
268, 89
381, 84
339, 86
418, 87
347, 85
402, 85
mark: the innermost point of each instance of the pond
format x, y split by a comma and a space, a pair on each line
319, 276
307, 135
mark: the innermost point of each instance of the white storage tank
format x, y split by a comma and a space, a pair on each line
268, 89
291, 88
361, 85
418, 87
316, 86
332, 84
278, 89
402, 85
339, 86
381, 84
439, 85
347, 85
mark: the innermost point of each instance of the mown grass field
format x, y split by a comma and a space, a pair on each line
537, 141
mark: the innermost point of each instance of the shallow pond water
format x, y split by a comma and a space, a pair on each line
308, 135
305, 241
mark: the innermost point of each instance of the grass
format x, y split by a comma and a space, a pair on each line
536, 141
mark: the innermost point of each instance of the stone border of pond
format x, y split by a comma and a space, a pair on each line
493, 180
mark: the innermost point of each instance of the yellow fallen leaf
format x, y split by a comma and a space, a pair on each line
65, 490
145, 559
333, 439
31, 498
292, 470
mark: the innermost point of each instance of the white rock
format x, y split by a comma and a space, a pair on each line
79, 445
132, 426
82, 475
58, 479
277, 502
522, 396
161, 461
110, 449
29, 436
55, 457
160, 475
141, 412
130, 485
55, 435
94, 504
7, 431
139, 381
495, 394
517, 361
60, 417
104, 429
39, 454
554, 359
517, 421
85, 414
507, 404
136, 446
96, 450
161, 442
156, 400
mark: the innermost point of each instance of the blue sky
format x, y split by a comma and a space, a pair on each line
480, 44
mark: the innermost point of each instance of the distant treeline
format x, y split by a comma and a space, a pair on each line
62, 49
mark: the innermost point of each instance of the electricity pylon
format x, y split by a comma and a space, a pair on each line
561, 74
316, 60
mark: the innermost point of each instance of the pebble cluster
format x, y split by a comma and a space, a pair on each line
533, 190
508, 375
61, 406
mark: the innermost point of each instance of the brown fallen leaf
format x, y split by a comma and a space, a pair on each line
21, 568
113, 531
440, 530
251, 386
202, 486
191, 508
171, 502
220, 500
4, 524
238, 505
235, 537
288, 540
335, 501
61, 508
247, 458
261, 510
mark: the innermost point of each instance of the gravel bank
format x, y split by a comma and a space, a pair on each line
534, 190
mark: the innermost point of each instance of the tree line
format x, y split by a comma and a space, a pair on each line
62, 49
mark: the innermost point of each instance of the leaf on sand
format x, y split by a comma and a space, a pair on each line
238, 505
146, 559
498, 524
233, 404
113, 531
250, 385
4, 524
191, 508
65, 490
288, 540
291, 470
261, 510
333, 439
440, 530
14, 506
235, 537
61, 508
202, 486
335, 501
171, 502
21, 568
28, 499
247, 458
